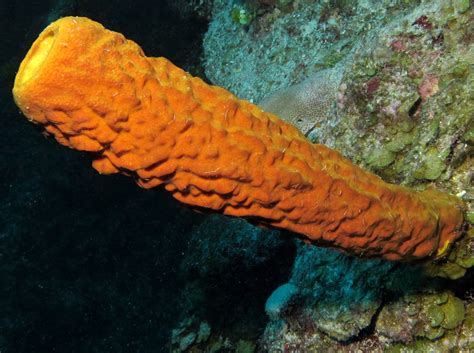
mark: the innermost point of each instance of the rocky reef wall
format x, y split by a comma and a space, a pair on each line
389, 84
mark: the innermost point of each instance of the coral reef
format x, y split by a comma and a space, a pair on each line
307, 104
284, 45
402, 72
147, 118
347, 306
405, 100
197, 336
422, 315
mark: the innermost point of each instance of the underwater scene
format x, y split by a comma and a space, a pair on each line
237, 176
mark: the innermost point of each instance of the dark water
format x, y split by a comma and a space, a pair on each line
87, 263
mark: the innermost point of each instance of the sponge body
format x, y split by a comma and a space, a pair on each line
96, 91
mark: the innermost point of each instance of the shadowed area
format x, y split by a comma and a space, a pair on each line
87, 263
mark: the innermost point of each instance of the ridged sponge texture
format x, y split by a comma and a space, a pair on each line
96, 91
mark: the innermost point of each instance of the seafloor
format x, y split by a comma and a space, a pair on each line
90, 263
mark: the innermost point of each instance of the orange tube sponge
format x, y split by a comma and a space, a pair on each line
96, 91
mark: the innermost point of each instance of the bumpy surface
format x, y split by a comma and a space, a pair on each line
96, 91
314, 97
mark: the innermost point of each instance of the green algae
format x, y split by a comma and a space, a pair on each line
459, 260
453, 313
452, 270
460, 70
430, 317
464, 254
380, 158
329, 58
242, 15
468, 136
436, 316
432, 167
400, 141
434, 333
470, 217
461, 6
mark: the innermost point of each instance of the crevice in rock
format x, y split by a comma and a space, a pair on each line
369, 330
414, 108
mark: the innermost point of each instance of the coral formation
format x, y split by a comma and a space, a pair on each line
280, 299
421, 315
403, 109
306, 104
147, 118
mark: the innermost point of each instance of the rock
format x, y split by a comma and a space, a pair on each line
204, 332
308, 104
280, 299
187, 341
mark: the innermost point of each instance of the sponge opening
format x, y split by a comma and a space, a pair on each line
35, 57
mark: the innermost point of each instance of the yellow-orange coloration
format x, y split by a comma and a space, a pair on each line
96, 91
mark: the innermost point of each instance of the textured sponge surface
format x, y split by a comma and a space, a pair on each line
96, 91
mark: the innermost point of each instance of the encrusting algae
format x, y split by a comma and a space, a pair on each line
96, 91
